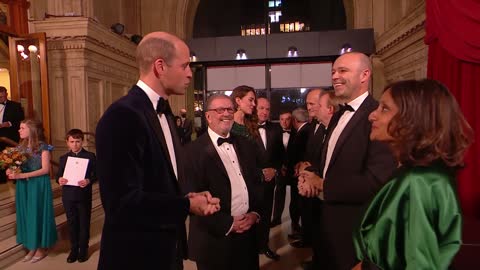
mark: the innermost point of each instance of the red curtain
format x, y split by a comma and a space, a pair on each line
453, 36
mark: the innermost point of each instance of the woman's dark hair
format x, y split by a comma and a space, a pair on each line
251, 120
429, 125
176, 118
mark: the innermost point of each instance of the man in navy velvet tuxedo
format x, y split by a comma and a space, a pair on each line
140, 165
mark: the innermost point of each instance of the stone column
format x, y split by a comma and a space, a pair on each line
89, 68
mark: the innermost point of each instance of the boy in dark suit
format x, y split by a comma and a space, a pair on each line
77, 200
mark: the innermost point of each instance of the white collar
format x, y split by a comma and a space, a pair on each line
358, 101
152, 95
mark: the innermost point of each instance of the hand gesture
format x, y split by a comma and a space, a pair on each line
244, 222
203, 204
62, 181
82, 183
309, 184
305, 189
11, 174
303, 165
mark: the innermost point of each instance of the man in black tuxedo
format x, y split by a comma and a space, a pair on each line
222, 164
352, 168
321, 105
310, 156
271, 148
140, 167
11, 114
285, 176
187, 126
295, 154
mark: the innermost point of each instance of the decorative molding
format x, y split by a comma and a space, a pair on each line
405, 35
80, 32
81, 42
404, 29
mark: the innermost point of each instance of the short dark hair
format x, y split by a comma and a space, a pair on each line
75, 133
429, 125
3, 89
284, 111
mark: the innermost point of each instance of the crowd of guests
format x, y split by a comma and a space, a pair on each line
371, 183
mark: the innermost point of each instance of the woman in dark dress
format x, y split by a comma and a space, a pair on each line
246, 121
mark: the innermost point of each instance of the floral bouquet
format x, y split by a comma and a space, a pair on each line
12, 158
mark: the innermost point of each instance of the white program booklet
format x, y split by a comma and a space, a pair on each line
75, 170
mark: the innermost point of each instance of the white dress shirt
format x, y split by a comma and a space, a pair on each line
2, 111
337, 131
153, 96
286, 137
239, 201
263, 135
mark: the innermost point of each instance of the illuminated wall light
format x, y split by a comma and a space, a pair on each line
20, 48
345, 48
292, 51
33, 48
193, 57
241, 55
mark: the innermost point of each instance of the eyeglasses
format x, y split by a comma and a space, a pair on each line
222, 110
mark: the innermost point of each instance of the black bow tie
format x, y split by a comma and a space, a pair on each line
345, 107
221, 140
287, 131
163, 107
261, 126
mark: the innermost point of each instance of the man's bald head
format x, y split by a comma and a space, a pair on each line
351, 74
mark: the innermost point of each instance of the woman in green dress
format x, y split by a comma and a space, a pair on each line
415, 221
36, 229
245, 118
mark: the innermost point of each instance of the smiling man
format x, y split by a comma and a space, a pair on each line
352, 168
222, 163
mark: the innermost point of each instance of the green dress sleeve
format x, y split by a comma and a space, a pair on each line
414, 222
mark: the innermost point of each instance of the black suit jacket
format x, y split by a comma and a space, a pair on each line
313, 149
144, 208
13, 113
272, 156
357, 170
74, 193
207, 240
297, 146
188, 128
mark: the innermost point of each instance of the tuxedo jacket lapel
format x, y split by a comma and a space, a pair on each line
347, 131
152, 118
241, 156
212, 152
